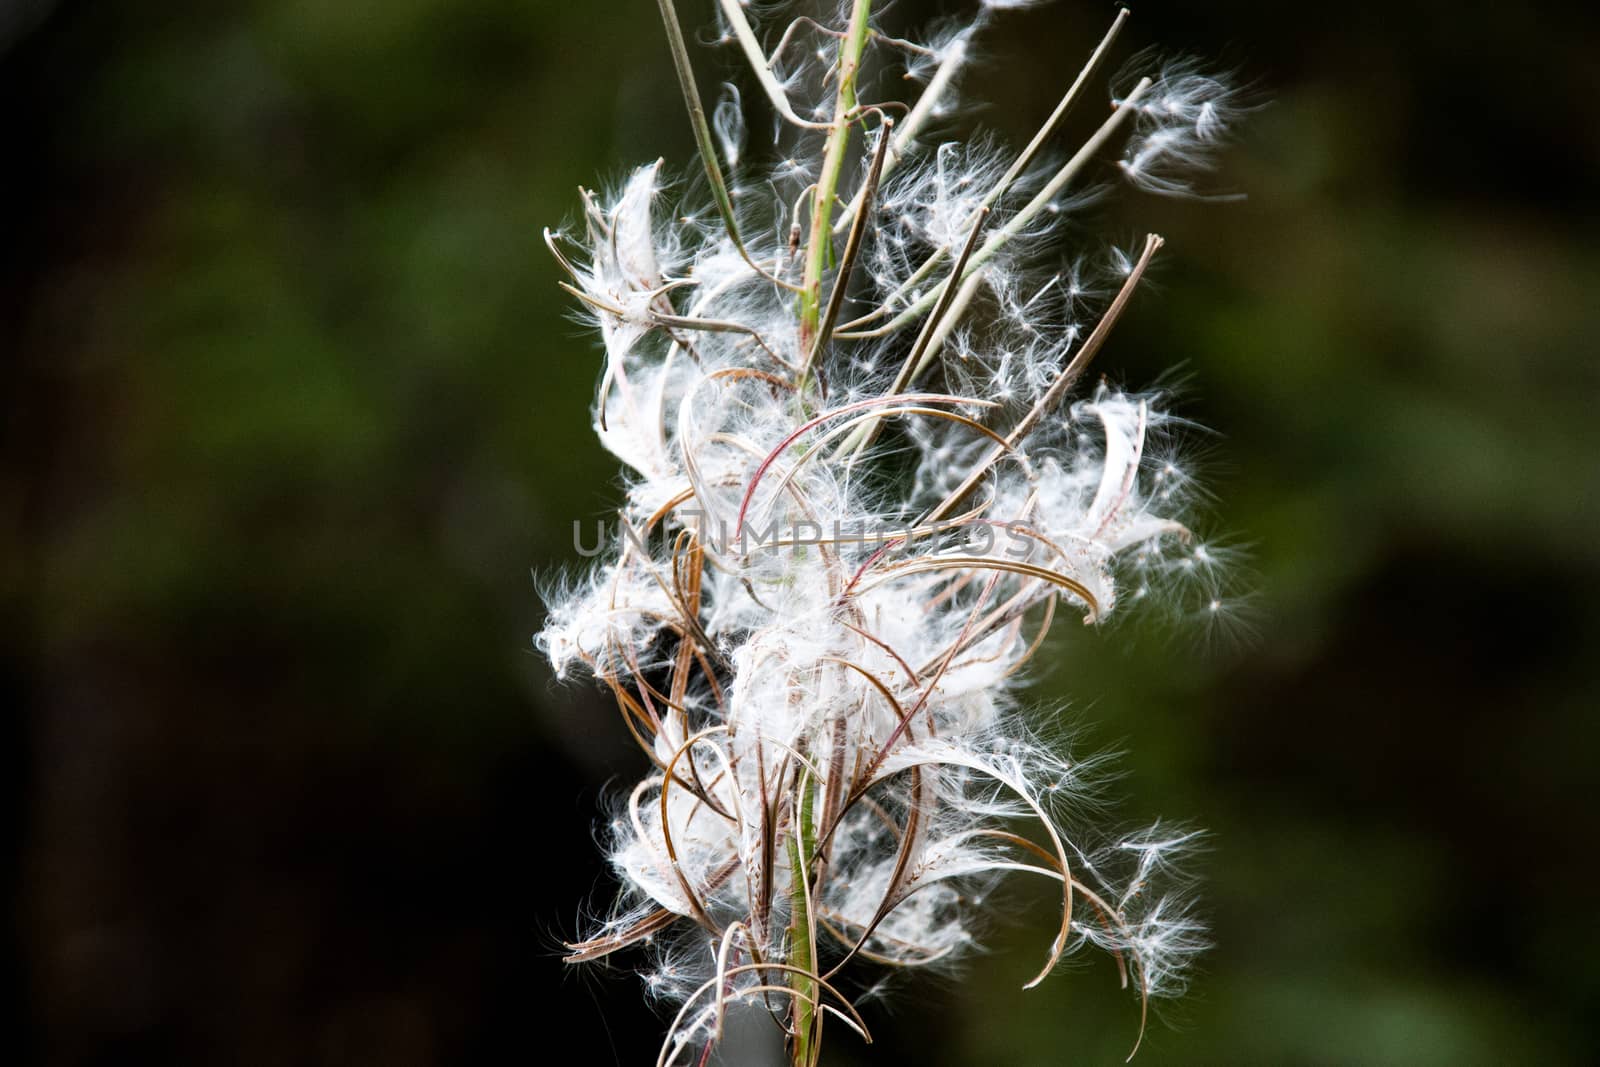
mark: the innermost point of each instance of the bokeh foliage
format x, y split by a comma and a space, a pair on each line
293, 406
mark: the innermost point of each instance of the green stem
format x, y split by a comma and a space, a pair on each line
702, 129
801, 934
819, 246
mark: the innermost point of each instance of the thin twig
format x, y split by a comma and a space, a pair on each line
1064, 381
702, 135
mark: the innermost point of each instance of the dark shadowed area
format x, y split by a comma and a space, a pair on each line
293, 407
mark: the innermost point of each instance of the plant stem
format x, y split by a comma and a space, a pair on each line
802, 931
819, 247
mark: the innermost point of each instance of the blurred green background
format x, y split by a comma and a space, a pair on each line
293, 405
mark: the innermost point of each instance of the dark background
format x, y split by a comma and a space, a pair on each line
292, 406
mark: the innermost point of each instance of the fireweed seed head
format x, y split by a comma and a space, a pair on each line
866, 474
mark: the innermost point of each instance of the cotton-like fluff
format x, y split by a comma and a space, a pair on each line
863, 482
